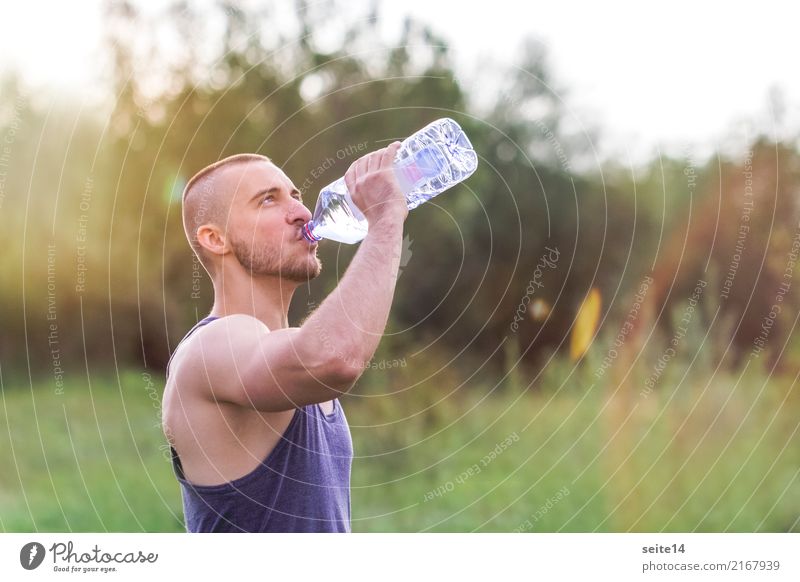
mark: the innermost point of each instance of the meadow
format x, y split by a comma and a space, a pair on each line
718, 452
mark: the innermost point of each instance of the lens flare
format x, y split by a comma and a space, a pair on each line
539, 309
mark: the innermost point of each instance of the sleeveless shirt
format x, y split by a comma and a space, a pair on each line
303, 485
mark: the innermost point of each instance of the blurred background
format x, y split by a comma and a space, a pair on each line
595, 332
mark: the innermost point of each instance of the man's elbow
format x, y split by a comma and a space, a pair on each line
342, 374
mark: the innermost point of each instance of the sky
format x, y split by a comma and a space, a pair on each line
651, 77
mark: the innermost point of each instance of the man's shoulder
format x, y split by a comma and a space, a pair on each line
233, 322
229, 328
212, 342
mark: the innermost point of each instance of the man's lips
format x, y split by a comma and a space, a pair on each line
301, 238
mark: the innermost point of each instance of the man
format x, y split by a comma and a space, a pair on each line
258, 438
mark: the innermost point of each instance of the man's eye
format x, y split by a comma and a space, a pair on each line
268, 198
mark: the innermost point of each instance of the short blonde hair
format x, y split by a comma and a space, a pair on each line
202, 203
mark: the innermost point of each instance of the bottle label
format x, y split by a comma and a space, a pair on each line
408, 174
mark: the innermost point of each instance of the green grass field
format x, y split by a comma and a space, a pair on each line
722, 457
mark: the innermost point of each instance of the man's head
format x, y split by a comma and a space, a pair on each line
244, 208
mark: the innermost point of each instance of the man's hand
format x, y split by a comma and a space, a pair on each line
374, 188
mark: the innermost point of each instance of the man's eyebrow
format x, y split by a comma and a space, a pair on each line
263, 191
273, 190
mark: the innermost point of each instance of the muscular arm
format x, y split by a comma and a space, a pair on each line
237, 359
351, 320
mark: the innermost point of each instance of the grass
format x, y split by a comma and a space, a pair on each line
730, 465
722, 455
84, 461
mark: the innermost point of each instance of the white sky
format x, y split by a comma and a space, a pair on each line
682, 73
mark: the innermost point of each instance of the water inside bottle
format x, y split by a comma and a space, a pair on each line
342, 222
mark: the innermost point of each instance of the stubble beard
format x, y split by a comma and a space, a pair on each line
265, 260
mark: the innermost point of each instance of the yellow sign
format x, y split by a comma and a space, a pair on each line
585, 324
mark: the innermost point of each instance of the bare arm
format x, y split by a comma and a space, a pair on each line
351, 320
239, 360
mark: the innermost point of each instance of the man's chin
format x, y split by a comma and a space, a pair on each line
301, 275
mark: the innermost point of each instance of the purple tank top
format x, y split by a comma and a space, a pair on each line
302, 486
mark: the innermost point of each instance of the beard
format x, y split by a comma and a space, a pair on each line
298, 267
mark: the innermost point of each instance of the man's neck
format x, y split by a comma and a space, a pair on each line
266, 298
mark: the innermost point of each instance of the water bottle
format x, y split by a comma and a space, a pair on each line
429, 162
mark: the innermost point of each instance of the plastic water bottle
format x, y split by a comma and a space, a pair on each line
429, 162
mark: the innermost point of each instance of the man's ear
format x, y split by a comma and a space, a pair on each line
211, 238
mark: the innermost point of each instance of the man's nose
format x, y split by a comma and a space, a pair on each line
299, 213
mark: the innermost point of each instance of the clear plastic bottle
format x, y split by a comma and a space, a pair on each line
429, 162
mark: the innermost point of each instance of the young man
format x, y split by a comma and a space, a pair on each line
258, 438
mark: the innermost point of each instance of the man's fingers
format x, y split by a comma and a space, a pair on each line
351, 176
388, 154
373, 161
376, 161
360, 168
350, 179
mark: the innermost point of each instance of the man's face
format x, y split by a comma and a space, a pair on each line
264, 223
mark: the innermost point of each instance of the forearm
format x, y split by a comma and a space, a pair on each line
350, 322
